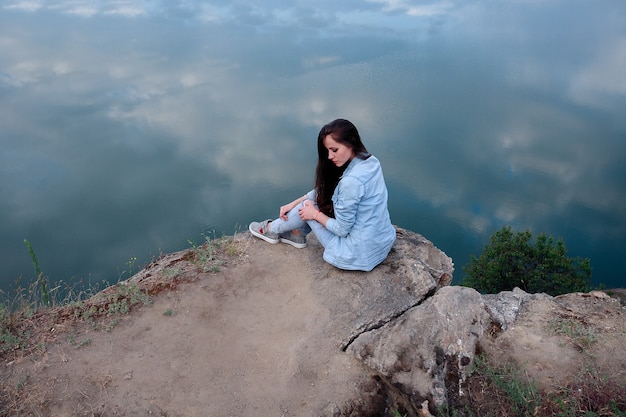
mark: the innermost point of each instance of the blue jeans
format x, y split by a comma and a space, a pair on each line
294, 222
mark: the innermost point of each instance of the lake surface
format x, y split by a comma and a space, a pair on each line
129, 128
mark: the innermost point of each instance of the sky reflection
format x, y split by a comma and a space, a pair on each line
129, 127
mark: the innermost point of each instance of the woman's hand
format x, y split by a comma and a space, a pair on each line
286, 209
308, 211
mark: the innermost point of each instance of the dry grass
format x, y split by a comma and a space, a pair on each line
29, 328
509, 392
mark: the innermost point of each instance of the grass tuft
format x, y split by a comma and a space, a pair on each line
507, 391
213, 253
575, 329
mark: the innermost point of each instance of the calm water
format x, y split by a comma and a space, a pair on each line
129, 127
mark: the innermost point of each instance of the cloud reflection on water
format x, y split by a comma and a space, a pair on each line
134, 114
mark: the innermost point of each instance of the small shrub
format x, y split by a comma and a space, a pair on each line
511, 260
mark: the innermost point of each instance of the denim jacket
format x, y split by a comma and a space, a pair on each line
362, 225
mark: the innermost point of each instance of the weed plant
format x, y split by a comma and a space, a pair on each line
512, 392
20, 308
101, 309
41, 280
8, 340
507, 391
29, 312
575, 330
93, 304
209, 254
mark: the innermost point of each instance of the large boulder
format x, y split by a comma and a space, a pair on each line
424, 355
426, 352
361, 301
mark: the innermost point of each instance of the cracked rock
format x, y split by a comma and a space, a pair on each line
426, 351
362, 301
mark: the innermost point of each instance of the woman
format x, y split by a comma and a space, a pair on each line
347, 209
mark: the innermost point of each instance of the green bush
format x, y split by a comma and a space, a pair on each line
512, 260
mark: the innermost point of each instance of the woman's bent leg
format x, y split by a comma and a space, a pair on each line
324, 235
293, 222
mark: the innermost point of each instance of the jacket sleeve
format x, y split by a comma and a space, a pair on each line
346, 198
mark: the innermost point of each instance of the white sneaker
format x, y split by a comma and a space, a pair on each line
293, 239
261, 230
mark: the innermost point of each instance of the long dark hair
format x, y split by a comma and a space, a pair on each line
327, 174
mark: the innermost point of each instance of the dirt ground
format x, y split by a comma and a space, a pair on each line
572, 348
579, 336
250, 339
243, 341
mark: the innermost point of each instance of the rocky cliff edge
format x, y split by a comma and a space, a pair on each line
239, 327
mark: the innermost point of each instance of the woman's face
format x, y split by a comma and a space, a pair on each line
338, 153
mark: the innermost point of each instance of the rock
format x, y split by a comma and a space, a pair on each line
558, 340
618, 293
426, 352
505, 306
293, 335
362, 301
424, 412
